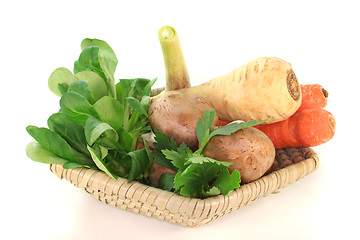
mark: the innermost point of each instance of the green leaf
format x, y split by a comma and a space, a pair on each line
71, 132
110, 111
100, 163
77, 108
199, 159
52, 141
97, 84
162, 141
123, 90
136, 105
81, 87
227, 182
70, 165
109, 143
160, 158
166, 181
94, 129
197, 176
146, 91
88, 42
61, 76
89, 61
177, 159
63, 88
203, 127
36, 152
125, 140
139, 163
107, 60
234, 127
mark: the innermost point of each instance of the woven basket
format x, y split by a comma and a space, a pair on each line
291, 165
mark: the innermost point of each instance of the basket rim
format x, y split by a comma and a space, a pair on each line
58, 170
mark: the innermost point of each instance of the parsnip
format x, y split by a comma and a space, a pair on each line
265, 88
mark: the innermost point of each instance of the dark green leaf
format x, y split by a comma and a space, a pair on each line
77, 108
81, 87
203, 127
227, 182
70, 165
197, 176
89, 61
100, 163
163, 141
146, 91
123, 90
94, 129
107, 60
166, 181
125, 140
63, 88
176, 158
160, 158
139, 163
52, 141
71, 132
136, 105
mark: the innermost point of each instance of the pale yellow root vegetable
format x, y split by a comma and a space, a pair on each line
265, 88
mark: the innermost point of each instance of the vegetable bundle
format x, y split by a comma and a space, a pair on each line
196, 141
99, 122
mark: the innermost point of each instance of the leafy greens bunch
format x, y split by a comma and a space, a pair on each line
99, 122
197, 175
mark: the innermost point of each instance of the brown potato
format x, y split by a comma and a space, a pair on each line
250, 150
177, 114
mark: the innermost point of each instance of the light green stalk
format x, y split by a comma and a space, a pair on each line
175, 68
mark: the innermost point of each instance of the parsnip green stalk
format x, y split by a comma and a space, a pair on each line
176, 71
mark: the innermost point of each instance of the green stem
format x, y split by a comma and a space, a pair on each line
175, 68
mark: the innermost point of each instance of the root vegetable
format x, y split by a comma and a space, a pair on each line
308, 128
250, 150
265, 88
313, 96
176, 115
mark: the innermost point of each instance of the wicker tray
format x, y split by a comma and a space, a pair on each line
291, 165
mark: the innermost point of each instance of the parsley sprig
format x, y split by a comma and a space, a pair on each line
197, 175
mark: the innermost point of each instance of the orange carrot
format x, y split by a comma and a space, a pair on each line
313, 96
308, 128
222, 123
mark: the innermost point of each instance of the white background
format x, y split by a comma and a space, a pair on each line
320, 39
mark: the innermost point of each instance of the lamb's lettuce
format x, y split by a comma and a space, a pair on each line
99, 122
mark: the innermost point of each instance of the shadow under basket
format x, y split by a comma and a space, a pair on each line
291, 164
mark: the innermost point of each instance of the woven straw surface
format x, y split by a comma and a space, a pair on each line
291, 165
